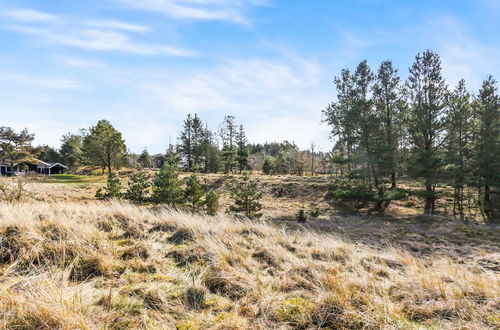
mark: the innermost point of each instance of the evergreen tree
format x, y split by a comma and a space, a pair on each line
367, 125
488, 148
72, 150
138, 187
243, 152
186, 142
229, 151
210, 152
16, 148
112, 189
427, 97
212, 204
191, 142
387, 98
145, 159
246, 196
341, 117
166, 184
193, 193
267, 166
104, 146
49, 155
458, 144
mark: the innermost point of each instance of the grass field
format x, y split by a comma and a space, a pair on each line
70, 262
71, 178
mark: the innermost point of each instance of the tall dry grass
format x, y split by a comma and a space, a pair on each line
113, 265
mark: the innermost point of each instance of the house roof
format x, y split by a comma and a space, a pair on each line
6, 162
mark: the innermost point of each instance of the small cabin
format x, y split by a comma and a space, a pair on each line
31, 167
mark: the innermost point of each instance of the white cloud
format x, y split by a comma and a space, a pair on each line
222, 10
51, 83
31, 16
275, 100
463, 56
100, 40
116, 25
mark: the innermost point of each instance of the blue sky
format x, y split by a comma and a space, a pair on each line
145, 64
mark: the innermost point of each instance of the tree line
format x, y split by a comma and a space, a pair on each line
386, 129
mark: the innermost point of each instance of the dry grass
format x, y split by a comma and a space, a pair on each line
97, 265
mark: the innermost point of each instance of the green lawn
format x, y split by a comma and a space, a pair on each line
70, 178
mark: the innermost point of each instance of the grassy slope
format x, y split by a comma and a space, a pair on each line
71, 178
69, 265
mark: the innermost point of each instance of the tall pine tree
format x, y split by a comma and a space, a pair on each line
426, 121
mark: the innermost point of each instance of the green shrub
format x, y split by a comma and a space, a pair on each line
346, 191
193, 192
246, 196
267, 167
138, 187
301, 215
112, 189
212, 204
167, 186
315, 212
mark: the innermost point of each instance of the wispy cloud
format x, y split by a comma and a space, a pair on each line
116, 25
51, 83
31, 16
222, 10
463, 55
99, 35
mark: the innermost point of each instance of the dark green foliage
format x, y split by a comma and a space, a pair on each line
459, 145
243, 151
426, 122
488, 149
212, 204
191, 146
145, 159
71, 150
246, 196
50, 155
347, 190
229, 150
193, 193
138, 187
166, 184
112, 189
315, 212
301, 215
267, 166
103, 145
16, 147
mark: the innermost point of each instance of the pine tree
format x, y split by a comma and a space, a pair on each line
488, 144
112, 189
193, 192
267, 166
229, 151
367, 125
186, 142
246, 196
458, 144
341, 118
428, 93
387, 98
166, 185
104, 146
145, 159
212, 204
138, 187
243, 152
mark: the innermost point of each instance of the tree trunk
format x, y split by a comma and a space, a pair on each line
429, 198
